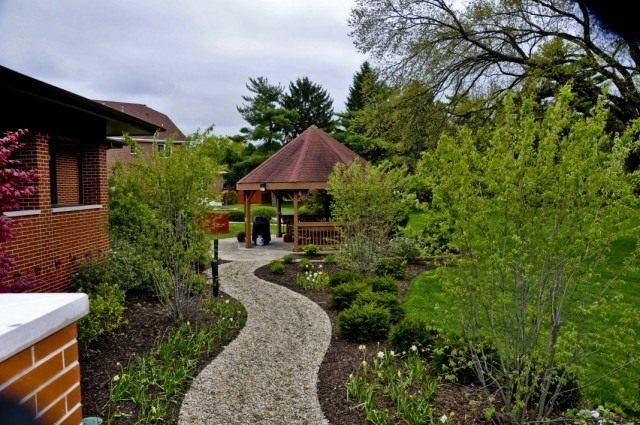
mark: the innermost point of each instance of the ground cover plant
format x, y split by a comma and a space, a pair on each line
145, 391
144, 380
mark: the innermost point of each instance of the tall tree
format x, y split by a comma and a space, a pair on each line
364, 88
310, 104
485, 45
263, 111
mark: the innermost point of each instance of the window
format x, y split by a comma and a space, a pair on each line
65, 170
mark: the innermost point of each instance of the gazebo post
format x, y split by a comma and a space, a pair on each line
278, 214
296, 248
247, 218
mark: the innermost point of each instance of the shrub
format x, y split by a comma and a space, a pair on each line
128, 267
342, 276
366, 322
241, 236
454, 361
383, 284
106, 313
305, 265
407, 248
287, 259
331, 259
276, 267
412, 331
342, 296
394, 267
263, 211
236, 215
382, 299
311, 280
92, 272
310, 249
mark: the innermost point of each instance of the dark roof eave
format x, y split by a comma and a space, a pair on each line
117, 122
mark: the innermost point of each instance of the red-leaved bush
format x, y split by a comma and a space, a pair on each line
15, 183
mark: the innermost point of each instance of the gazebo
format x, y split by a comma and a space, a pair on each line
301, 165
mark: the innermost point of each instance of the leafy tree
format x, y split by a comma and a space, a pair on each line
365, 231
15, 184
492, 46
263, 111
163, 194
310, 104
397, 125
534, 209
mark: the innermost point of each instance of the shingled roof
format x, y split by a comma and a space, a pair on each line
303, 163
143, 112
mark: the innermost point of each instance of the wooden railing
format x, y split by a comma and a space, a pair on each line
322, 234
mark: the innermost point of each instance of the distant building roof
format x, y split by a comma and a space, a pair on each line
303, 163
143, 112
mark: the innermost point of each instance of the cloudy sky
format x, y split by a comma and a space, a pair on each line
189, 59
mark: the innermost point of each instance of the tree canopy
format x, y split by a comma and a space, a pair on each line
490, 46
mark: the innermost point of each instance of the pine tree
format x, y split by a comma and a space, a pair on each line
269, 120
310, 104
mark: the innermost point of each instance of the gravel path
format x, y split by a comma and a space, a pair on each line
268, 374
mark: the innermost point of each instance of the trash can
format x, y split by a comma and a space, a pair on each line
262, 228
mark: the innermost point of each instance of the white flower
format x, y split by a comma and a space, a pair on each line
231, 319
392, 353
380, 354
351, 376
364, 363
116, 378
595, 414
319, 266
443, 419
226, 301
362, 347
414, 348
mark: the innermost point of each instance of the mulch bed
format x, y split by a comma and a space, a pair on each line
146, 324
343, 358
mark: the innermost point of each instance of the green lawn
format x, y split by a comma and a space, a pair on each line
617, 382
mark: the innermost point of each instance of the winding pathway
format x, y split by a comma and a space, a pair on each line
268, 374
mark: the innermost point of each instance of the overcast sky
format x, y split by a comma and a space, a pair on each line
189, 59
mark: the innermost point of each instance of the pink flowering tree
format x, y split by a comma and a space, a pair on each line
15, 183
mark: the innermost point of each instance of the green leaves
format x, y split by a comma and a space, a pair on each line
534, 207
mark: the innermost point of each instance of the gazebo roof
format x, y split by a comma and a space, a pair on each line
303, 163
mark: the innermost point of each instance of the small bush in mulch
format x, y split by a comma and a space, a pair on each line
342, 296
305, 265
412, 331
342, 276
383, 284
276, 267
394, 267
310, 250
287, 259
367, 322
386, 300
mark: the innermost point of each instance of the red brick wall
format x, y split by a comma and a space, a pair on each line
68, 176
47, 247
123, 155
46, 378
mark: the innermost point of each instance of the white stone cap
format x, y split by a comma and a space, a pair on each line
28, 318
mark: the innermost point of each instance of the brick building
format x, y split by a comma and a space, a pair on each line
66, 220
166, 130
